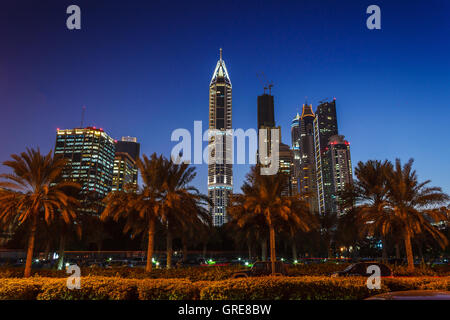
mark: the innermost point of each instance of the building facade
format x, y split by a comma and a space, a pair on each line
266, 113
325, 126
337, 155
90, 153
286, 166
130, 146
125, 170
307, 172
220, 171
295, 143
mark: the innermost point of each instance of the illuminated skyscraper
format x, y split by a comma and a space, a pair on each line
90, 152
295, 140
337, 159
220, 175
130, 146
286, 166
325, 126
125, 171
307, 177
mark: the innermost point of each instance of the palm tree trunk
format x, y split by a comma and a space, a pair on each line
422, 258
329, 251
294, 250
62, 243
205, 244
151, 236
30, 249
264, 249
384, 249
169, 248
409, 253
273, 256
47, 250
397, 251
185, 249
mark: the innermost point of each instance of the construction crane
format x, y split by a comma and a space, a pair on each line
325, 100
266, 84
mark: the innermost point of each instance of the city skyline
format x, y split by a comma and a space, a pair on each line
378, 104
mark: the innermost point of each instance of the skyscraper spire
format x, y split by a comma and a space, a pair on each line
220, 72
220, 174
307, 111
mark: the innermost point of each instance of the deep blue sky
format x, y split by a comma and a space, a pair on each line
142, 68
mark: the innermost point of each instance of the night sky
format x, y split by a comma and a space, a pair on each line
142, 68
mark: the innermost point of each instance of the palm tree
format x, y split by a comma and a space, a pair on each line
328, 224
414, 206
140, 209
33, 192
182, 206
262, 198
368, 196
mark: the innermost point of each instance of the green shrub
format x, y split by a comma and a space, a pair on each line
262, 288
403, 271
317, 269
20, 289
288, 288
92, 288
417, 283
214, 273
192, 273
168, 289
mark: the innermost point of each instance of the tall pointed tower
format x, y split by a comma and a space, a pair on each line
307, 172
220, 173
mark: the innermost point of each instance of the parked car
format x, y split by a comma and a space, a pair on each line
117, 263
413, 295
262, 268
360, 269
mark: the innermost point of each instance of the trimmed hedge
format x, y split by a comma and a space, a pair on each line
92, 288
20, 289
192, 273
214, 273
262, 288
285, 288
169, 289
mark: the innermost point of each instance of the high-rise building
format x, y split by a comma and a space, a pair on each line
220, 173
90, 152
326, 121
266, 115
125, 171
307, 175
286, 166
130, 146
325, 126
338, 160
295, 142
266, 121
